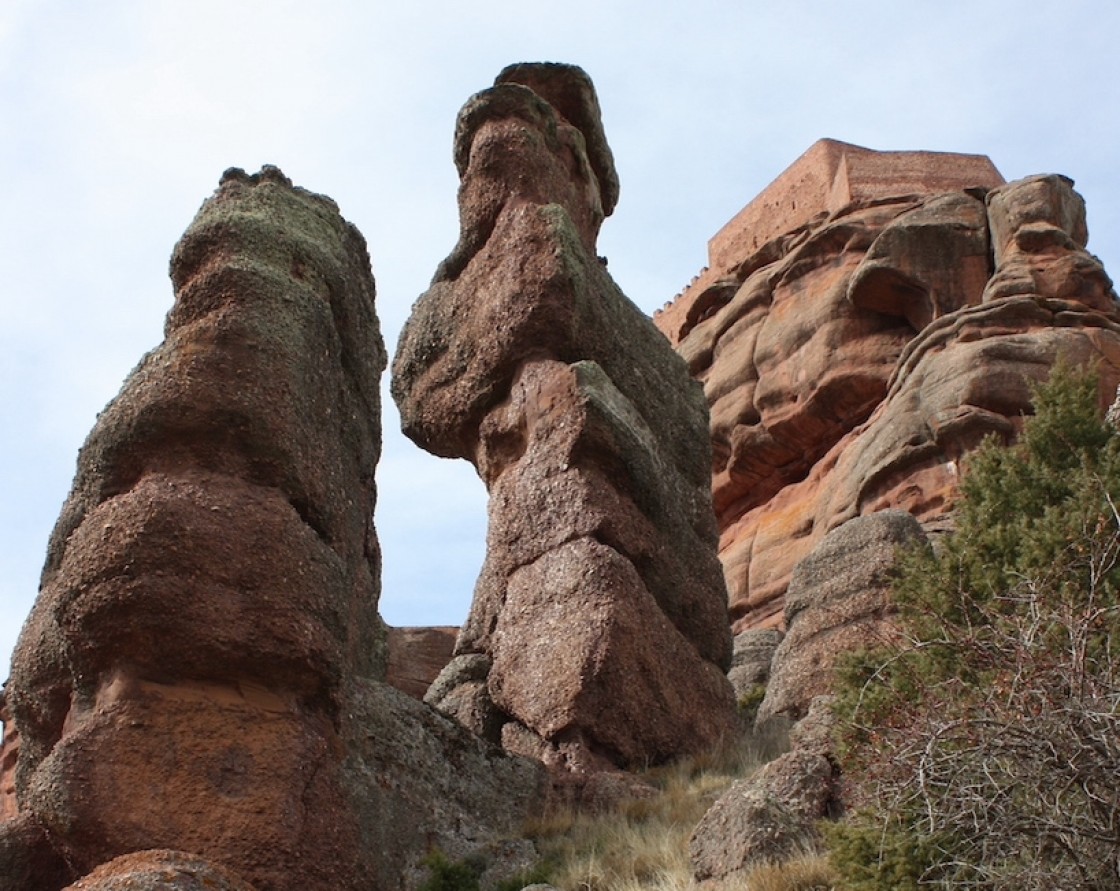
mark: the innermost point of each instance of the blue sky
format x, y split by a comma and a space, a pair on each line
119, 117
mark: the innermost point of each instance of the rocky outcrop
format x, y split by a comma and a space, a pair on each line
211, 584
598, 632
751, 658
865, 323
417, 656
200, 672
420, 781
838, 601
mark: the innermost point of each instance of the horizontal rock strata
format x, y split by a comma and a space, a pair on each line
852, 354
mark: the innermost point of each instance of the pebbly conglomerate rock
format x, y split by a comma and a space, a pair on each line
201, 670
863, 325
598, 632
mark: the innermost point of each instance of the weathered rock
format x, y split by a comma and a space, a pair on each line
524, 358
1038, 237
461, 692
417, 656
418, 780
751, 658
927, 262
861, 328
160, 871
815, 733
200, 672
838, 600
28, 860
211, 585
9, 755
768, 817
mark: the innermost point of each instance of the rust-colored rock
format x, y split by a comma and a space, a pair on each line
417, 656
9, 756
200, 672
1038, 237
852, 353
599, 610
212, 582
160, 871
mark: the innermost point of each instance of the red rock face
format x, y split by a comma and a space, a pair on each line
854, 350
525, 359
211, 587
417, 656
9, 755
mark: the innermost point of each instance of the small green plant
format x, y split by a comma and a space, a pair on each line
750, 701
451, 875
981, 750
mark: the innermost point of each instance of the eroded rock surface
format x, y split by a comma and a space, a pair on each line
865, 323
770, 816
417, 656
201, 669
599, 619
838, 601
160, 871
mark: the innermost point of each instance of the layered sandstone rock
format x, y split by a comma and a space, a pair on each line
200, 670
9, 756
417, 656
598, 631
863, 324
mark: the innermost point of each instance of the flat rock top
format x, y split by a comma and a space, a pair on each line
831, 175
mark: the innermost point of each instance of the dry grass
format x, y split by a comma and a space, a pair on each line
643, 845
809, 872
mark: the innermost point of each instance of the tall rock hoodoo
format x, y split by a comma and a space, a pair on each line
212, 582
598, 633
198, 680
862, 325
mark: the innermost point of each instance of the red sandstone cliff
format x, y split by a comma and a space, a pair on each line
862, 324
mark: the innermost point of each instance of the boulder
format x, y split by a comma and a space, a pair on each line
838, 601
770, 816
525, 358
160, 871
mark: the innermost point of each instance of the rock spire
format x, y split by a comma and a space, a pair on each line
598, 633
